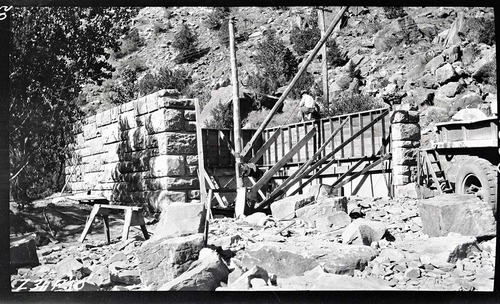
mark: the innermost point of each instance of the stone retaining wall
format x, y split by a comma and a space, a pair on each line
139, 153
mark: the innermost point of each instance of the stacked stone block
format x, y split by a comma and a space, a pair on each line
405, 134
139, 153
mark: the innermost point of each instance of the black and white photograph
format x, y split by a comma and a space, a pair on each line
251, 148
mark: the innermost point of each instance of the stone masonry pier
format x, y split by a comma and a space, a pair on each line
139, 153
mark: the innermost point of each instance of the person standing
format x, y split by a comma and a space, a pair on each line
307, 105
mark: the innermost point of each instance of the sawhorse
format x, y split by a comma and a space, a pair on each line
133, 217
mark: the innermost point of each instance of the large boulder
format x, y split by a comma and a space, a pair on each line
284, 209
363, 232
286, 260
318, 279
162, 260
23, 251
464, 214
443, 251
70, 268
180, 219
324, 208
205, 274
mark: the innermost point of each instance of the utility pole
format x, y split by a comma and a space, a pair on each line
240, 189
321, 25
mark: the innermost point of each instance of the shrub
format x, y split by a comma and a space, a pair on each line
393, 12
198, 90
222, 116
185, 41
130, 43
481, 30
290, 115
334, 55
346, 104
304, 40
178, 79
217, 17
276, 65
487, 74
134, 63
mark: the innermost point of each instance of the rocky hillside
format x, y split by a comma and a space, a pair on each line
432, 57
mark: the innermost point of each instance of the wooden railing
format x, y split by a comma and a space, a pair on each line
367, 144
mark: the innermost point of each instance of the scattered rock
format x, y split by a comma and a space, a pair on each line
70, 268
244, 282
121, 273
469, 114
205, 274
364, 232
100, 276
179, 219
324, 208
284, 209
23, 251
161, 260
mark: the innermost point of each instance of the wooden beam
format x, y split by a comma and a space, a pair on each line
214, 186
365, 169
324, 63
227, 141
253, 181
201, 155
266, 146
269, 173
341, 178
293, 82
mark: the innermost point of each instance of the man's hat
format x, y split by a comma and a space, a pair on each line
303, 92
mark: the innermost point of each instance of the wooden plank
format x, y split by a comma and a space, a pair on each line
297, 135
360, 117
253, 181
201, 156
289, 88
360, 184
351, 133
269, 174
266, 145
373, 134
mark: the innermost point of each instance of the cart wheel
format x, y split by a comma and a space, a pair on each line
478, 176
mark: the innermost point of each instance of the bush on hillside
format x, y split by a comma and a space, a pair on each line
198, 90
217, 17
345, 104
334, 55
481, 30
178, 79
275, 63
222, 116
129, 44
394, 12
304, 40
185, 42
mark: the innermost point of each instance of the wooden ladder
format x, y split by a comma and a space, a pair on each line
430, 173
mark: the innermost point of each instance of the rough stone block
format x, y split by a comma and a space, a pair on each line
445, 74
177, 143
285, 208
151, 103
89, 130
164, 120
336, 221
114, 113
399, 117
110, 133
179, 219
162, 260
23, 251
167, 165
172, 183
70, 268
406, 132
450, 89
410, 190
127, 107
160, 199
126, 121
190, 126
176, 103
464, 214
363, 232
401, 170
205, 274
435, 63
135, 138
441, 251
140, 106
325, 207
401, 180
122, 273
404, 156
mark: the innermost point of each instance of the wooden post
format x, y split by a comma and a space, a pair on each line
293, 82
201, 156
321, 25
240, 199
